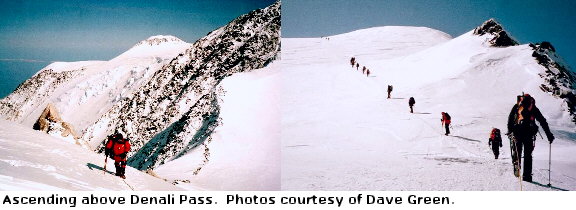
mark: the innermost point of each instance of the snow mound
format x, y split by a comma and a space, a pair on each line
367, 44
156, 46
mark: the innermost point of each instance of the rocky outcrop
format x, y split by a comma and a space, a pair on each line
500, 38
558, 79
51, 123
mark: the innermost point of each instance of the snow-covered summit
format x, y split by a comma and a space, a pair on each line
160, 39
161, 46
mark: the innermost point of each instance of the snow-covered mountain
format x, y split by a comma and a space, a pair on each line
177, 109
83, 91
339, 132
165, 95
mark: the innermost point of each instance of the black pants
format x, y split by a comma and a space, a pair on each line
525, 143
496, 149
120, 167
447, 126
411, 109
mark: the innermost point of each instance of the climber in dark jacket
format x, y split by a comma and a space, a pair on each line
522, 129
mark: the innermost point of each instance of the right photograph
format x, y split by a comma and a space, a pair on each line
428, 95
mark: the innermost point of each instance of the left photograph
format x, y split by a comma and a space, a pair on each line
140, 95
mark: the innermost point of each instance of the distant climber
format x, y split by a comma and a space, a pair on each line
446, 120
117, 148
352, 61
411, 103
363, 69
357, 65
495, 141
522, 130
367, 72
389, 90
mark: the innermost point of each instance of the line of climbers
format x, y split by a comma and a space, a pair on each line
522, 128
355, 63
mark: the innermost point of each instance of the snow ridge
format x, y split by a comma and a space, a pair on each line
559, 80
184, 93
159, 39
32, 92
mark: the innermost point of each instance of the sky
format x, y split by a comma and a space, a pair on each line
526, 20
35, 33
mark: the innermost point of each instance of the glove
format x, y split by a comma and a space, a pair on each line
550, 137
107, 152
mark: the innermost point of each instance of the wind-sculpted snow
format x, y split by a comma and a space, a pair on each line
178, 110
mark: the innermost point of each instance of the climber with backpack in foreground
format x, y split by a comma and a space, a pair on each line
522, 130
411, 103
495, 141
117, 148
446, 119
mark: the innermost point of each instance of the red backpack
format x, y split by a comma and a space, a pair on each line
495, 134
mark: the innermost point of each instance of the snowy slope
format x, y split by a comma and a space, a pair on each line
244, 154
31, 160
339, 132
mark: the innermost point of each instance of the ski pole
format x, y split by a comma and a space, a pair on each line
105, 163
549, 162
540, 135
